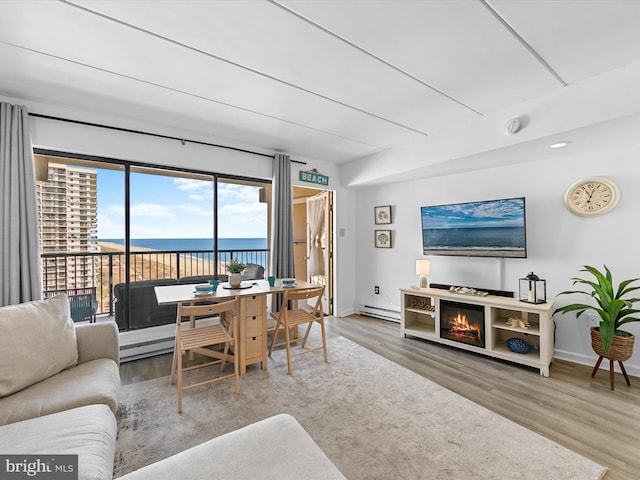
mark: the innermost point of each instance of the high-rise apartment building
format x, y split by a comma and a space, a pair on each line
68, 225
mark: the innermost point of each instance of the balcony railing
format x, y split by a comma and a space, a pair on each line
104, 270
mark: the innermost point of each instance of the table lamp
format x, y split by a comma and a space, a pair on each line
422, 269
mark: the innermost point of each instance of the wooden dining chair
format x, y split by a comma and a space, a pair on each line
291, 315
193, 338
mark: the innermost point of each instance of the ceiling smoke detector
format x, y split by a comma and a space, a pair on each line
512, 126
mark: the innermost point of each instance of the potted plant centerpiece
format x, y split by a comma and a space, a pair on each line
614, 307
235, 269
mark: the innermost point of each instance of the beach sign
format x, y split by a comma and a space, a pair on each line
313, 176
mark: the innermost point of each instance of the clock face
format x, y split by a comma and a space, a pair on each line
591, 197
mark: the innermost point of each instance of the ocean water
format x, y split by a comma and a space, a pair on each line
507, 238
206, 244
191, 244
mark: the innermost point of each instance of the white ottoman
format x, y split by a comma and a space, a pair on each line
275, 448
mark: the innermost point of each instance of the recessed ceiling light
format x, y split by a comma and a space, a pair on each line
559, 145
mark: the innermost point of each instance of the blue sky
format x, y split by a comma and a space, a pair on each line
503, 213
170, 207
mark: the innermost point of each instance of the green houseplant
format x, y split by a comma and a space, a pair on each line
235, 268
614, 306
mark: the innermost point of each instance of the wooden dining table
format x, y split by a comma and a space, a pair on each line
252, 312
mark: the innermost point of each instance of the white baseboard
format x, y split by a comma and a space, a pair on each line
590, 360
346, 313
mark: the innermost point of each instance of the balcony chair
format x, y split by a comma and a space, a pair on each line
191, 337
144, 310
291, 316
82, 302
253, 271
201, 279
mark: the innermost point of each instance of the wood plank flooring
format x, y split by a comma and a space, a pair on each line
569, 407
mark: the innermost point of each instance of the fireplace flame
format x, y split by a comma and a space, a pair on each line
461, 327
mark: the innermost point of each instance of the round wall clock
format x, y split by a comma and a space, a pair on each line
592, 196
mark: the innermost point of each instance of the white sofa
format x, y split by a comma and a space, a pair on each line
59, 385
275, 448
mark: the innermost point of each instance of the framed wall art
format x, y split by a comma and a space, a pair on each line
382, 214
383, 238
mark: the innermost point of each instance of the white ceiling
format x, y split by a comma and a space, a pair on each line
326, 80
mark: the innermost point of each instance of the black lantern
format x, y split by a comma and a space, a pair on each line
533, 289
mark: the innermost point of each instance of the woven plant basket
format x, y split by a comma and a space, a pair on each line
621, 347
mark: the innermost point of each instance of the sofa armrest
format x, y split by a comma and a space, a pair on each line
98, 340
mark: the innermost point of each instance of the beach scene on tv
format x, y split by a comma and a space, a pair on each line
493, 228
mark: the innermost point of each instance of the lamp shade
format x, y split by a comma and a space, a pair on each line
423, 267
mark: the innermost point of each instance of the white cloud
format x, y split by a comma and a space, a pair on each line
110, 227
190, 214
154, 210
199, 189
245, 211
148, 231
247, 220
232, 193
117, 210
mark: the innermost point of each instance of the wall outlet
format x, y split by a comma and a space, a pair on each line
376, 290
593, 319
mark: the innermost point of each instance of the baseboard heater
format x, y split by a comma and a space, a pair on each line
378, 312
148, 342
138, 350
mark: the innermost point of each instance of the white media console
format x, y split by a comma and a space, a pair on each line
422, 309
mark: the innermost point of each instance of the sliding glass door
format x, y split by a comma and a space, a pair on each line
69, 211
243, 211
171, 212
119, 228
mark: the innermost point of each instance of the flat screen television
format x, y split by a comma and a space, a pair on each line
491, 228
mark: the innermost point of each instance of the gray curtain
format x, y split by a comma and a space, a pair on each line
282, 215
20, 274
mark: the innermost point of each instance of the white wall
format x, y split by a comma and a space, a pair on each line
559, 243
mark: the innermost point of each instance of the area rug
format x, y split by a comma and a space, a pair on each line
373, 418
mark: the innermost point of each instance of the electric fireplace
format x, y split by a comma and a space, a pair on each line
462, 322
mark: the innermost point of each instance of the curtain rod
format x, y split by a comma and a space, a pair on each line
140, 132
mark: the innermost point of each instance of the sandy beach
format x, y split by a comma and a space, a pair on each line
116, 247
149, 265
146, 264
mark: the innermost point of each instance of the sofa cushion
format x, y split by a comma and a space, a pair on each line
37, 340
98, 340
89, 432
275, 448
93, 382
